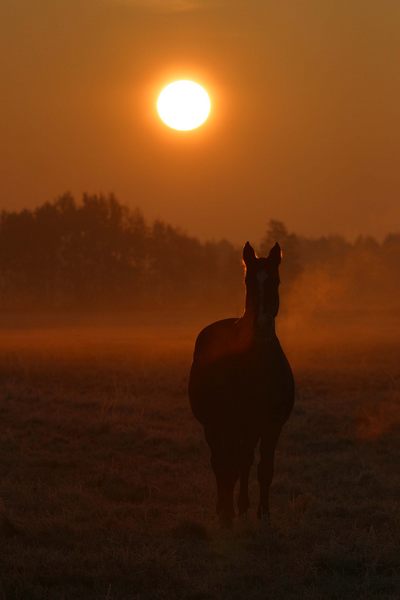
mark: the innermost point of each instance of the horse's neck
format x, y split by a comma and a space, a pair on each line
256, 331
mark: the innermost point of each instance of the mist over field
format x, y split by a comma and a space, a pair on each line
95, 267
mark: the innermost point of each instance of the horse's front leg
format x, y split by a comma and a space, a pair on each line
225, 464
265, 470
246, 461
226, 475
226, 479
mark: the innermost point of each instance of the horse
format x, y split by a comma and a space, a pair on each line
241, 388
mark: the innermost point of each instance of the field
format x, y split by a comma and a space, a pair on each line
105, 485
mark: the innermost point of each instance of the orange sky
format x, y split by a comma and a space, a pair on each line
305, 126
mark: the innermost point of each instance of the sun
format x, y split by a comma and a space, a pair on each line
183, 105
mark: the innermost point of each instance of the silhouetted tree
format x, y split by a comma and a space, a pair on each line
97, 253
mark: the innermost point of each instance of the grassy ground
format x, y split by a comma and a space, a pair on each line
106, 490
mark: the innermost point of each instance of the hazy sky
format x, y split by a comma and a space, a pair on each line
306, 110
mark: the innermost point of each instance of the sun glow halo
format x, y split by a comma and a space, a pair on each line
183, 105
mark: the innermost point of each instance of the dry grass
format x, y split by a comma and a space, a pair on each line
106, 491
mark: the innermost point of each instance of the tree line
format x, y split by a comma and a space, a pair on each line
98, 254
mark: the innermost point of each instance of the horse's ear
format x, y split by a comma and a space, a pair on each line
248, 254
275, 254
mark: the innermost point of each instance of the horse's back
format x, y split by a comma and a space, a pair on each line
211, 374
214, 341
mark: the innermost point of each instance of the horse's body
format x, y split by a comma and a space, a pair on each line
241, 388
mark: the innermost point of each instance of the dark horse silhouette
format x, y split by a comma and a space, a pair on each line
241, 388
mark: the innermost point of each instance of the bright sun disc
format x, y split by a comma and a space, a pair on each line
183, 105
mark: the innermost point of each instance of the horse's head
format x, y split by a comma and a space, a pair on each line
262, 287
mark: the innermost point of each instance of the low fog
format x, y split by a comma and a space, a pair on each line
95, 263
